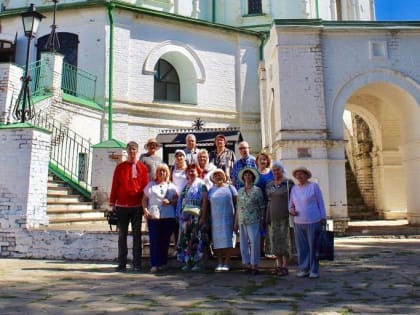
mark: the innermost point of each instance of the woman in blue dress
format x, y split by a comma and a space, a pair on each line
222, 198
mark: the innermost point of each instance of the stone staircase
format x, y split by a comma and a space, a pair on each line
357, 210
65, 208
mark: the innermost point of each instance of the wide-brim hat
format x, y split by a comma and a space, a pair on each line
218, 171
302, 169
152, 140
248, 169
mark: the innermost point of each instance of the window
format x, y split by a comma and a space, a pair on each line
166, 85
254, 7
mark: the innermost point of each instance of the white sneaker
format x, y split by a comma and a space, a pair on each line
219, 267
302, 274
225, 268
313, 275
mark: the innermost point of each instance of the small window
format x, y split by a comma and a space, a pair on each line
166, 82
254, 7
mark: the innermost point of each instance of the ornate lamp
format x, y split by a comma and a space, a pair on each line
24, 108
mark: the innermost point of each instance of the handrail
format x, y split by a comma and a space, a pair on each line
78, 82
70, 155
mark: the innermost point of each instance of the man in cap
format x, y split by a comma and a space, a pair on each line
150, 158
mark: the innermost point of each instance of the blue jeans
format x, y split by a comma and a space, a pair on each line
160, 232
250, 242
305, 237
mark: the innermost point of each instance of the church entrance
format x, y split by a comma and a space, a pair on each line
382, 150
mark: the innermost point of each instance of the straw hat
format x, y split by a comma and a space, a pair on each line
248, 169
218, 171
302, 169
150, 141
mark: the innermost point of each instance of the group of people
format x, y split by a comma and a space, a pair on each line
211, 201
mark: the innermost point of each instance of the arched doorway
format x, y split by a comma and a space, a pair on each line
384, 146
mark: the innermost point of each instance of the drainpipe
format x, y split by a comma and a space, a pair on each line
111, 6
317, 9
213, 11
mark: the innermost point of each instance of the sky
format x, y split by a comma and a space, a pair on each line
397, 10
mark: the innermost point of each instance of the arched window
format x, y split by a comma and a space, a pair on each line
166, 85
254, 7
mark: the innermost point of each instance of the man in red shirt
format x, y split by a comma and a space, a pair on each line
130, 178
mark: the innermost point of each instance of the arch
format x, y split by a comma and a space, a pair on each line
182, 51
370, 119
395, 78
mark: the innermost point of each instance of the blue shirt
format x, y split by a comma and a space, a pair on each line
238, 165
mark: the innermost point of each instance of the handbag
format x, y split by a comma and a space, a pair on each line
112, 219
324, 249
192, 210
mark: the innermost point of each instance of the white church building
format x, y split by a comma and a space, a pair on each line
317, 83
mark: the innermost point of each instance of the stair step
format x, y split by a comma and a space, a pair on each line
80, 209
71, 221
62, 199
63, 207
76, 216
51, 184
59, 191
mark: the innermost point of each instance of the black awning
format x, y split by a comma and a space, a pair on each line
175, 139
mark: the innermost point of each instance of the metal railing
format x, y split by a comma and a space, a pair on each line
35, 85
78, 82
70, 155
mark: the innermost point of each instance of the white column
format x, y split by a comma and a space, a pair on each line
105, 156
24, 176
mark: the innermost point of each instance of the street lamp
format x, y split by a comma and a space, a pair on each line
24, 109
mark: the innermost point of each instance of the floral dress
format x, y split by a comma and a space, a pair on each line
193, 239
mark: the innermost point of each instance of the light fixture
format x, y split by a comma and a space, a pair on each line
24, 109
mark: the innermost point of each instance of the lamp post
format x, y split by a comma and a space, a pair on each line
24, 109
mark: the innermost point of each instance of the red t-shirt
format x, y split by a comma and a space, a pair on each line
127, 186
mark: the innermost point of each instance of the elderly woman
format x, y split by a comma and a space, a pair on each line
159, 201
150, 158
277, 217
205, 166
222, 198
192, 204
307, 207
250, 218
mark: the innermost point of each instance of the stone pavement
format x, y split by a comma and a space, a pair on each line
370, 275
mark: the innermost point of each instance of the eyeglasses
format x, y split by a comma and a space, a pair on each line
243, 148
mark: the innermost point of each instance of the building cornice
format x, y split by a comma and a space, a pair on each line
131, 8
